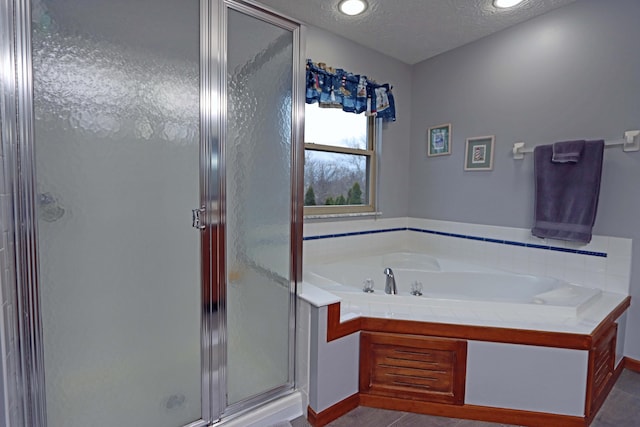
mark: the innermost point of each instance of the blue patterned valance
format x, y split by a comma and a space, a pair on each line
351, 92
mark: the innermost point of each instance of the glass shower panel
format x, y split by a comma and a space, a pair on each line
116, 94
258, 193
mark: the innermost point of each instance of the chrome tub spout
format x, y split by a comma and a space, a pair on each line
390, 284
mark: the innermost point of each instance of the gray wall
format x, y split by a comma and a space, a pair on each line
339, 52
572, 73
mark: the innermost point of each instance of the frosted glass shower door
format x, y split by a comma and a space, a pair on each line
258, 160
116, 96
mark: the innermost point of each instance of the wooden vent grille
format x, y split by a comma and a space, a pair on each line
413, 367
601, 369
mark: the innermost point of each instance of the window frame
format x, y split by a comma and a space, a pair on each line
370, 153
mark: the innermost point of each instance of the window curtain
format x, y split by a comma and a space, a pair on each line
350, 92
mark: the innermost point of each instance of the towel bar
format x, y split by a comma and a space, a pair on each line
631, 142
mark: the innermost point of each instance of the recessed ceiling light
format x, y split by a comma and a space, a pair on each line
352, 7
503, 4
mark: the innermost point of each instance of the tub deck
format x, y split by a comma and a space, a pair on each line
541, 304
519, 357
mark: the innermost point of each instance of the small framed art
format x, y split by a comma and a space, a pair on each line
479, 154
439, 140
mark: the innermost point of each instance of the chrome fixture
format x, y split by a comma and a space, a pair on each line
196, 221
416, 288
367, 286
390, 285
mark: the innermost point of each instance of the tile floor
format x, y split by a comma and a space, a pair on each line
621, 409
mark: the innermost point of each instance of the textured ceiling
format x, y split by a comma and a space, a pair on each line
414, 30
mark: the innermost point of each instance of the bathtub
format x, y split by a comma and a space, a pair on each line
448, 286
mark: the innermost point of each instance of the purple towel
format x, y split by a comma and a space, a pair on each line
567, 151
567, 193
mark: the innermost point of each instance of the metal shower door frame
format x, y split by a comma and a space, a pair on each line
218, 56
23, 330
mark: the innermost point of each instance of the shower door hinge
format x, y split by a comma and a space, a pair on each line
196, 222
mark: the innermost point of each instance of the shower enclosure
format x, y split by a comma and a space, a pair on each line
153, 154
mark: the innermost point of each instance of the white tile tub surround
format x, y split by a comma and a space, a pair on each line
331, 249
611, 273
303, 328
467, 314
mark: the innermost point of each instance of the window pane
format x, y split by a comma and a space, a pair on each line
332, 126
335, 179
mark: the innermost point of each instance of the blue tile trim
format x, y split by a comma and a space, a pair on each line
461, 236
354, 233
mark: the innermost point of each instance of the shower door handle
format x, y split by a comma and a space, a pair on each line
196, 222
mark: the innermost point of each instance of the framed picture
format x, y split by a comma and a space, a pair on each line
479, 154
439, 140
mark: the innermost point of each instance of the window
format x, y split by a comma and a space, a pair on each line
339, 161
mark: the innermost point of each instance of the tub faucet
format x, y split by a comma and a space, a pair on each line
390, 284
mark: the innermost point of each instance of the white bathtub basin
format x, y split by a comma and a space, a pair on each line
449, 283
